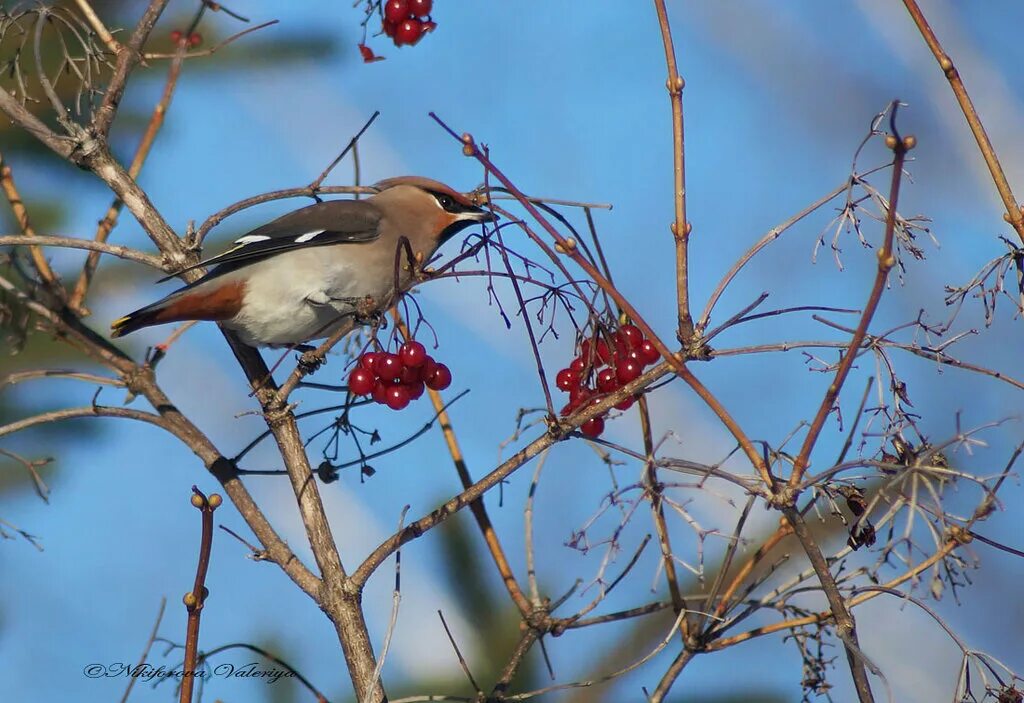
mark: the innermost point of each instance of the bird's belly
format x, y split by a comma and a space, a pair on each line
297, 297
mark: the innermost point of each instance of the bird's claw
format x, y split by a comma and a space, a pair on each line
310, 361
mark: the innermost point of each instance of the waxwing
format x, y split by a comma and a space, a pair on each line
305, 274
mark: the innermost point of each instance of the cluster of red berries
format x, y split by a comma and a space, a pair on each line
406, 21
194, 39
608, 364
395, 380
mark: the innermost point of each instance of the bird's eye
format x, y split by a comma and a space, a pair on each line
445, 201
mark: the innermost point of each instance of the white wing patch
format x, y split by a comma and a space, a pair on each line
251, 239
303, 238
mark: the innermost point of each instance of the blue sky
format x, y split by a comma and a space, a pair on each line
572, 103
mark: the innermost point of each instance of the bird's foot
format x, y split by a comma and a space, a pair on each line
309, 361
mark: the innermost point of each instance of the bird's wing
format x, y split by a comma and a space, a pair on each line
331, 222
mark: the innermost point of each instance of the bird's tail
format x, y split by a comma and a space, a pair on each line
143, 317
218, 299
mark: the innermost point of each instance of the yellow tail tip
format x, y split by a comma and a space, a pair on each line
117, 326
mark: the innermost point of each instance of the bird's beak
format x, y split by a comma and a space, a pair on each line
480, 215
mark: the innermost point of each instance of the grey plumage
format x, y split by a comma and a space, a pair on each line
303, 275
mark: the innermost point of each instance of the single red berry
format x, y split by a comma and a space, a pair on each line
368, 361
388, 366
429, 26
606, 382
413, 354
409, 375
578, 365
426, 369
195, 39
361, 381
409, 32
421, 8
648, 354
593, 427
626, 404
177, 35
604, 352
380, 392
578, 396
566, 379
632, 335
628, 370
621, 343
440, 379
397, 397
415, 389
396, 10
389, 27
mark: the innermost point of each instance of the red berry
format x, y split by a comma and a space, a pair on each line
426, 369
396, 11
409, 375
604, 352
361, 381
397, 397
195, 39
415, 389
413, 354
440, 379
632, 335
421, 8
606, 382
628, 370
429, 26
389, 27
585, 350
409, 32
626, 404
578, 365
380, 392
388, 366
578, 396
648, 354
177, 35
622, 345
368, 361
567, 379
593, 427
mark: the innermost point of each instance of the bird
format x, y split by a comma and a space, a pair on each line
304, 275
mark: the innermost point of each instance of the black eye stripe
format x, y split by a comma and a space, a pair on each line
450, 204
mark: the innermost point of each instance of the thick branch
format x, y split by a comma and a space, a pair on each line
128, 57
843, 617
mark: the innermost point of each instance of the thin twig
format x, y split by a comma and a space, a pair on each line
145, 650
886, 261
109, 220
1013, 210
680, 227
477, 507
196, 598
126, 253
21, 217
